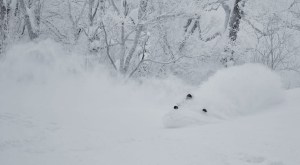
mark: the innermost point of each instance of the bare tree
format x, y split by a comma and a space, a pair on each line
92, 31
139, 28
128, 46
273, 50
29, 25
75, 19
37, 15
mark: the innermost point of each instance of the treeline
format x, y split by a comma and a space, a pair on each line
155, 37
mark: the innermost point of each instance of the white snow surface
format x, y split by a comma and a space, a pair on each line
231, 92
54, 114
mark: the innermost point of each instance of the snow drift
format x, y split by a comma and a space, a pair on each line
231, 92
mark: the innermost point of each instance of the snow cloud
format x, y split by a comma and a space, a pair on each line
235, 91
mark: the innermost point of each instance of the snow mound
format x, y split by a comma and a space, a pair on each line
231, 92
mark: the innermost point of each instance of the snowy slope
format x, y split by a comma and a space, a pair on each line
91, 118
60, 127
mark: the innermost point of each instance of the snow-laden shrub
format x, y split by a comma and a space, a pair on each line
230, 92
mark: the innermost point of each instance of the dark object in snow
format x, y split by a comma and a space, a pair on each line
189, 96
204, 110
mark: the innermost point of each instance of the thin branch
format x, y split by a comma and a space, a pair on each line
70, 13
160, 18
56, 31
115, 7
294, 3
81, 12
212, 37
255, 28
172, 61
93, 16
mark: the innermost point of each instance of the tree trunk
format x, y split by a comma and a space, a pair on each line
123, 49
2, 26
234, 23
233, 28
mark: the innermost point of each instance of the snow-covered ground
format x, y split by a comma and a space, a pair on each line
53, 113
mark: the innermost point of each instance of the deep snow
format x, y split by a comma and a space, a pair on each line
55, 113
